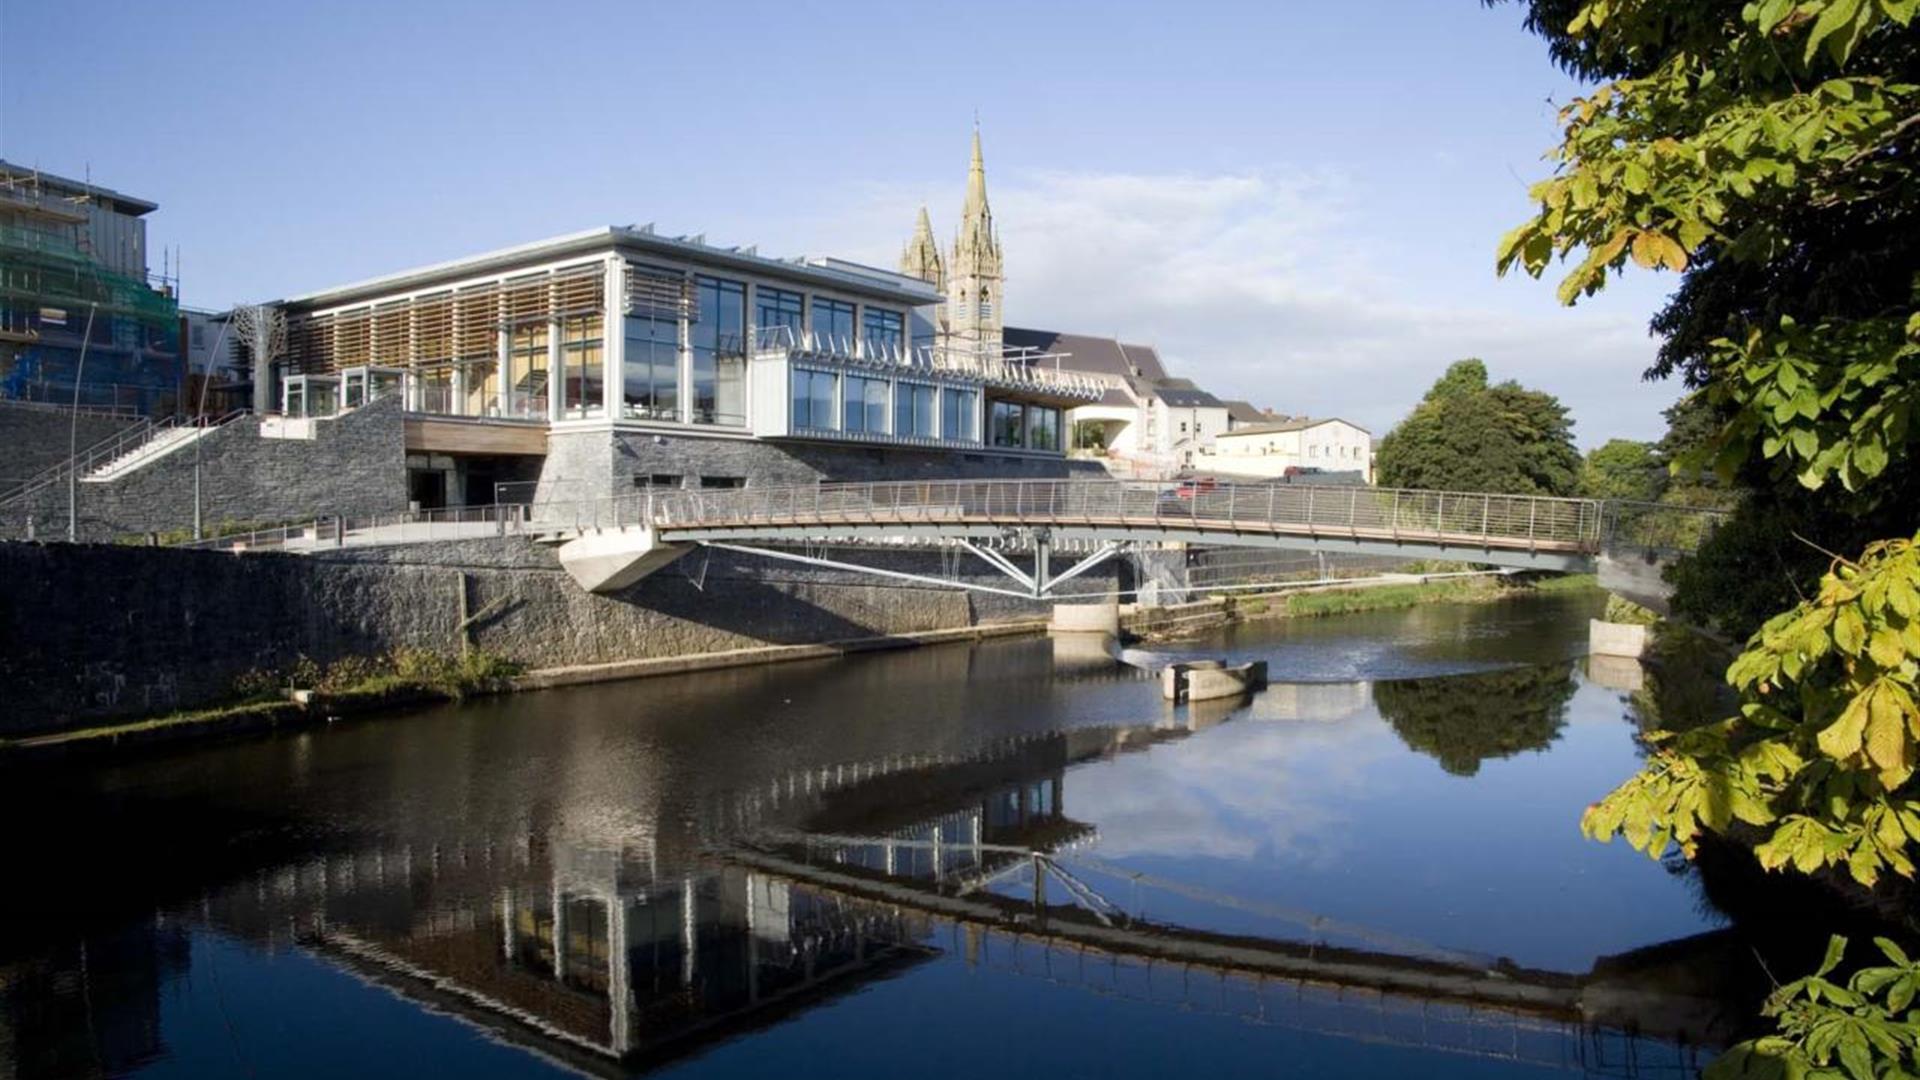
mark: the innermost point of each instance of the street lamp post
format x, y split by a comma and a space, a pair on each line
73, 433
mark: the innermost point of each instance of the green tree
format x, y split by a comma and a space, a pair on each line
1622, 469
1463, 720
1468, 436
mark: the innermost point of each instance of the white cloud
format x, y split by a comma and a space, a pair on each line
1277, 287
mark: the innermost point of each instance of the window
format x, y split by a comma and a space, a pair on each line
719, 352
913, 410
528, 346
1043, 428
1007, 423
813, 393
956, 415
580, 360
657, 480
723, 482
864, 405
778, 307
884, 332
650, 371
833, 326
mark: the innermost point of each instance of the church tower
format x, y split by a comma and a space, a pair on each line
973, 270
921, 259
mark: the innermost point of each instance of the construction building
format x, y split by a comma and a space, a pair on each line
78, 306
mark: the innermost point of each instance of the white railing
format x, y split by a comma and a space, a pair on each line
997, 367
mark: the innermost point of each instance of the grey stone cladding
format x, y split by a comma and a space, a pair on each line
596, 463
35, 438
355, 464
91, 631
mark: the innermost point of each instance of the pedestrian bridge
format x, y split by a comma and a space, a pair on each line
608, 543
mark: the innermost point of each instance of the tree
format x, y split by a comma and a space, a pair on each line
1463, 720
1468, 436
1462, 377
1622, 469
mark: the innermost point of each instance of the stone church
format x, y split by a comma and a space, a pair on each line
970, 274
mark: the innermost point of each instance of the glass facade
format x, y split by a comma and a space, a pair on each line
813, 393
956, 415
914, 410
778, 307
884, 333
582, 361
1043, 428
864, 405
833, 325
650, 371
528, 346
1006, 423
718, 335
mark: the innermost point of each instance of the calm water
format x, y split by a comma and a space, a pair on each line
825, 869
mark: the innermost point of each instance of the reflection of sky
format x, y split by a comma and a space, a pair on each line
1342, 819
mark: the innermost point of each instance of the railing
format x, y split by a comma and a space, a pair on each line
107, 412
401, 527
124, 443
1000, 367
1657, 530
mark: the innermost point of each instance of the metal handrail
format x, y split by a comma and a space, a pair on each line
124, 443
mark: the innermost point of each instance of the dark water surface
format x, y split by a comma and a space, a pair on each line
826, 869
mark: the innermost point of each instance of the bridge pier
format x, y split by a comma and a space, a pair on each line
604, 562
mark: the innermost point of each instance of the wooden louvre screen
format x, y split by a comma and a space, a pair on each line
432, 328
351, 333
524, 300
656, 293
579, 290
477, 321
392, 334
309, 344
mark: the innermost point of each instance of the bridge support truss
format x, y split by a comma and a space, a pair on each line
1039, 584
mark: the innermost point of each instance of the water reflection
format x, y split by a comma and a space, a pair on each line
1464, 720
639, 876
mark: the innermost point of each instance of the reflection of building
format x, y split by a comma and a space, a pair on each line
1319, 702
71, 252
89, 1006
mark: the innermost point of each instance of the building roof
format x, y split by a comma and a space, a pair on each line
1243, 412
1117, 397
1181, 393
13, 176
643, 240
1094, 355
1298, 423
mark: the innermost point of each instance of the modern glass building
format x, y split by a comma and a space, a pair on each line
622, 358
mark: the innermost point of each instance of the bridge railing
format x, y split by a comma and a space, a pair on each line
1456, 518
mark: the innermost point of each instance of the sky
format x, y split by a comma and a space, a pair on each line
1297, 205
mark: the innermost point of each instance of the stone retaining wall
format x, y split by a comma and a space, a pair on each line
355, 464
96, 631
36, 439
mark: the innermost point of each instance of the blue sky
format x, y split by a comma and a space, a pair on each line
1296, 203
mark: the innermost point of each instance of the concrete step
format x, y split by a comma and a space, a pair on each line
162, 444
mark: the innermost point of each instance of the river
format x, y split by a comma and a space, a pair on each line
1373, 868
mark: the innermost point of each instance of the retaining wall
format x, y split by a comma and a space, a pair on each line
355, 464
35, 439
89, 632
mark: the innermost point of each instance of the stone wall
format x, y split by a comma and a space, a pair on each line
96, 631
35, 438
592, 464
355, 464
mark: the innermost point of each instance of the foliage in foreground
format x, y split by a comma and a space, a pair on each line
1861, 1030
1823, 752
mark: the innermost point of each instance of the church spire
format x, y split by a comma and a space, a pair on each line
921, 258
974, 275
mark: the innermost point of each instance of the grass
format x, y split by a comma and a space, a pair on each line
1463, 590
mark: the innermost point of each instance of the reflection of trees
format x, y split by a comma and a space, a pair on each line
1462, 720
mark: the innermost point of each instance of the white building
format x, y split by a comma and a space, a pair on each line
1290, 447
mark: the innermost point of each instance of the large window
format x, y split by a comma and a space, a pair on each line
813, 393
1043, 428
833, 326
581, 360
913, 410
778, 307
650, 371
528, 345
956, 415
719, 352
864, 405
885, 333
1007, 423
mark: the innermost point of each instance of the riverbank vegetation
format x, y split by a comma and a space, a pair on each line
1766, 153
1453, 590
306, 689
